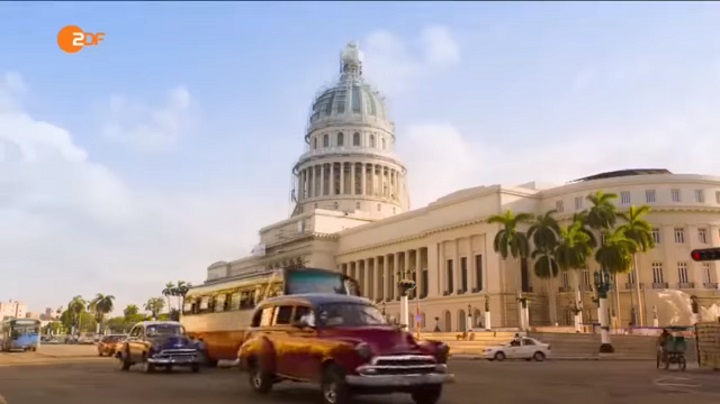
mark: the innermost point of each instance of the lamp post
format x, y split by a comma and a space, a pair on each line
383, 310
488, 319
695, 309
469, 321
405, 284
602, 285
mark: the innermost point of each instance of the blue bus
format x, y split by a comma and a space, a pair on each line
20, 334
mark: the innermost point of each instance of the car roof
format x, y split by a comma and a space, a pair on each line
315, 299
147, 323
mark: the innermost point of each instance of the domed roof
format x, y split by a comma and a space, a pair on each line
350, 99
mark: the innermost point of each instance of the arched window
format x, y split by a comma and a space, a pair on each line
340, 139
315, 143
384, 144
356, 139
326, 141
372, 141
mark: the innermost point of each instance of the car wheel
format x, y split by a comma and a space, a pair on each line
427, 394
500, 356
148, 367
125, 361
195, 368
539, 356
260, 381
333, 387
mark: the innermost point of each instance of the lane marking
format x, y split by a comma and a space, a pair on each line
670, 381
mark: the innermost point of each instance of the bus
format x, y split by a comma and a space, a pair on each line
20, 334
220, 312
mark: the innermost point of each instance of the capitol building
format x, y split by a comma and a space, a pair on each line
351, 213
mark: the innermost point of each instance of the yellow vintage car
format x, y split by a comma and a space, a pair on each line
343, 344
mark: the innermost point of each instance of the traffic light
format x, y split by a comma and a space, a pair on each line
706, 254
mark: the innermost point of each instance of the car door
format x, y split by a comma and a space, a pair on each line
286, 341
303, 340
528, 348
134, 342
512, 350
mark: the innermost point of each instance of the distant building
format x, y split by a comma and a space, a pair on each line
12, 309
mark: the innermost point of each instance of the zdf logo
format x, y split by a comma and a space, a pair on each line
73, 39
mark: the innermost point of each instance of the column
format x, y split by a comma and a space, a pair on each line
456, 268
471, 265
379, 279
373, 180
387, 269
342, 178
364, 178
314, 181
352, 178
332, 179
303, 181
367, 282
442, 271
322, 179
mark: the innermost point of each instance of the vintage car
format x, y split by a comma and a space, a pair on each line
154, 344
107, 346
344, 344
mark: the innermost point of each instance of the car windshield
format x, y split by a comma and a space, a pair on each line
164, 330
349, 315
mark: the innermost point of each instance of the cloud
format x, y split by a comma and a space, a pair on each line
69, 225
394, 63
678, 142
147, 128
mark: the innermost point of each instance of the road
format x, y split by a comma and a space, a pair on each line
64, 375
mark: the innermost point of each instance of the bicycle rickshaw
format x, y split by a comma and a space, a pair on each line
674, 349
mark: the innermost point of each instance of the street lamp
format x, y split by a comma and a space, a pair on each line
602, 285
488, 319
469, 326
405, 284
383, 309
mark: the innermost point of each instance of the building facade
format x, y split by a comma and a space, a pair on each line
12, 309
352, 213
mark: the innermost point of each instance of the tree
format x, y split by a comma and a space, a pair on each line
543, 233
131, 310
639, 230
511, 242
155, 305
181, 290
572, 252
75, 309
169, 291
100, 306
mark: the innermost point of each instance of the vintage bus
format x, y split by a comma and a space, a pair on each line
20, 334
219, 312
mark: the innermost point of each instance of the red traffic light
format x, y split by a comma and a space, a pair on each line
706, 254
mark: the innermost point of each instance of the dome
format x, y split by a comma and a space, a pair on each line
350, 99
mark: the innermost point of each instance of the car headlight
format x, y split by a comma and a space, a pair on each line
443, 348
363, 350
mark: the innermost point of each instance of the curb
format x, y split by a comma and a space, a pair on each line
566, 358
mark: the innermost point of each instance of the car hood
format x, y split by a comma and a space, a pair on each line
172, 342
383, 340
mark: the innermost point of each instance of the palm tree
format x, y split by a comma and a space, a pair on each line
639, 230
130, 310
572, 252
155, 305
511, 242
182, 290
544, 235
615, 253
75, 308
169, 291
100, 306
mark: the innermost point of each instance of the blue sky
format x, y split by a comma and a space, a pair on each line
207, 104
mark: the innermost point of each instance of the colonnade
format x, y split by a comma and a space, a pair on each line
349, 178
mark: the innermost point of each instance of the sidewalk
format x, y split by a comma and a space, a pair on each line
606, 357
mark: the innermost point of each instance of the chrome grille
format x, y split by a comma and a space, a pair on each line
175, 353
400, 365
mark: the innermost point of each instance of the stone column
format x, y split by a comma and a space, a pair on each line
322, 179
387, 270
332, 179
456, 266
367, 284
398, 273
364, 178
352, 178
471, 265
342, 178
373, 180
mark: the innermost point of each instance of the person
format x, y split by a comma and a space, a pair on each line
516, 340
664, 337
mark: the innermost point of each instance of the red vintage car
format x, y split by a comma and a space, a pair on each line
343, 344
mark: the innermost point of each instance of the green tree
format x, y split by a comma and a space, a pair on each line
543, 233
615, 253
510, 241
572, 253
131, 310
169, 291
639, 230
101, 306
75, 309
154, 306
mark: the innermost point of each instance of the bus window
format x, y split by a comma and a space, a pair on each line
187, 307
204, 303
219, 303
283, 314
235, 299
246, 301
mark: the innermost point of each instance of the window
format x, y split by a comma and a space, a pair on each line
315, 143
450, 276
300, 312
675, 193
283, 315
707, 275
372, 141
657, 271
679, 235
384, 143
340, 139
631, 278
235, 300
527, 341
478, 272
625, 197
220, 302
424, 284
683, 272
265, 317
650, 196
656, 235
699, 196
702, 236
356, 139
463, 274
559, 206
578, 202
326, 141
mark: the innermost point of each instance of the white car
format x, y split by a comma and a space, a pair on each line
522, 348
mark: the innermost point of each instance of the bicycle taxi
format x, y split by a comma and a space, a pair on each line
672, 351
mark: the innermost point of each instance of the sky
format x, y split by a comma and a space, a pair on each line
169, 145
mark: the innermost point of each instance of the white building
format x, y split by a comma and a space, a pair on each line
12, 309
351, 213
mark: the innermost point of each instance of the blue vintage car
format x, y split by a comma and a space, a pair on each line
154, 344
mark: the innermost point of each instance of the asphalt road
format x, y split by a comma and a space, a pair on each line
54, 377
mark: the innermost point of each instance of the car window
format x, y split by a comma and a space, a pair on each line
164, 330
300, 312
135, 332
349, 315
528, 342
266, 316
283, 314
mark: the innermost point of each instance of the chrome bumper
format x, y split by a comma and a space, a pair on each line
399, 380
182, 360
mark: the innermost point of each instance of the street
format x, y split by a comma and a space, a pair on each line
54, 377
